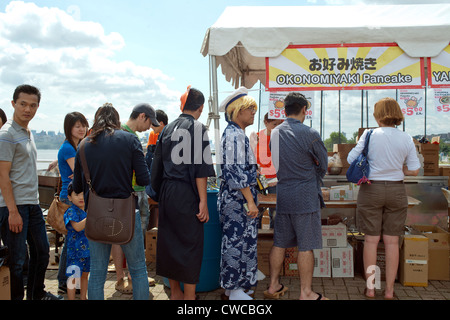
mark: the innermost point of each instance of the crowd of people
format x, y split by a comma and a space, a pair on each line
174, 172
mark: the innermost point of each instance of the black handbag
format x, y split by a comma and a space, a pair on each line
108, 220
359, 170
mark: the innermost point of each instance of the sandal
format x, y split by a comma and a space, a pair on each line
367, 296
276, 295
321, 296
120, 286
151, 282
394, 297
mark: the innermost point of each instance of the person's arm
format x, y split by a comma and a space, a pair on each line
203, 212
252, 208
71, 163
78, 226
408, 172
14, 219
52, 165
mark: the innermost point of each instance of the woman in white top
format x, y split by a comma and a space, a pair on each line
382, 204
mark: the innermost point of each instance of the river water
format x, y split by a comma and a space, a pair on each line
44, 157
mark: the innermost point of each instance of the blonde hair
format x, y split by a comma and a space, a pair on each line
242, 103
388, 112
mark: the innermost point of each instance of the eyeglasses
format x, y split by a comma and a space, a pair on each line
252, 108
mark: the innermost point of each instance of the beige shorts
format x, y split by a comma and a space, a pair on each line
382, 208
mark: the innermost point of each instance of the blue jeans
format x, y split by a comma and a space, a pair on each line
34, 233
135, 255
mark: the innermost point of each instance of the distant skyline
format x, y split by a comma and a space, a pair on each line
84, 53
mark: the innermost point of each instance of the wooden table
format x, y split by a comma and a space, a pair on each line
270, 201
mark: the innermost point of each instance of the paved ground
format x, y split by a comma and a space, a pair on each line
333, 288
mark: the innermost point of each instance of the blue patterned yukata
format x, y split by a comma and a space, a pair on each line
239, 231
78, 253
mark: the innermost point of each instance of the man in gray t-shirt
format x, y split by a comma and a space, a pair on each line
19, 198
301, 160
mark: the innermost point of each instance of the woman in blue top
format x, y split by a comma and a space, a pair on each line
75, 129
237, 199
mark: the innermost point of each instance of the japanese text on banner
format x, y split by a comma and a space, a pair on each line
335, 67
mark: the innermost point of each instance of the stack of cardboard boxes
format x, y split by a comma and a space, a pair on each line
424, 255
430, 153
335, 259
151, 237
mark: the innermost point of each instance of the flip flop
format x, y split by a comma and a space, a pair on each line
276, 295
320, 297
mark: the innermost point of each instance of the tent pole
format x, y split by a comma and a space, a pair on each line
215, 111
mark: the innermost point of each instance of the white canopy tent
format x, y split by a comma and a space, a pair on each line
243, 37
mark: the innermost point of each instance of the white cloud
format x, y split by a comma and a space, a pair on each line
72, 62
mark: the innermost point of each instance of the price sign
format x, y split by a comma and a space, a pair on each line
276, 105
412, 102
442, 101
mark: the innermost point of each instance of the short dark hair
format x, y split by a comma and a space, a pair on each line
194, 100
162, 116
26, 88
294, 103
3, 116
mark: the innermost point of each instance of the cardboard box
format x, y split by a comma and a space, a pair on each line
438, 251
341, 193
445, 172
428, 148
151, 238
343, 148
290, 262
413, 267
265, 243
431, 165
342, 265
265, 220
5, 283
322, 263
334, 236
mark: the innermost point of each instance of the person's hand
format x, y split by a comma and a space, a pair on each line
52, 165
15, 222
203, 213
252, 209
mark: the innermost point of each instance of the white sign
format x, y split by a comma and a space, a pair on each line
412, 102
276, 105
442, 101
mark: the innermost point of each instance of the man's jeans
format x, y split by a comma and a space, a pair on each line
143, 208
135, 255
34, 233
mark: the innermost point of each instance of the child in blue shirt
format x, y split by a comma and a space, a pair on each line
78, 257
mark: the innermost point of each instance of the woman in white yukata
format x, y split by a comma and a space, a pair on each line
237, 199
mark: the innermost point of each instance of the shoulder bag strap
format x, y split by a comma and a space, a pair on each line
87, 174
366, 143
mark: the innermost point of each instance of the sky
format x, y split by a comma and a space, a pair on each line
83, 53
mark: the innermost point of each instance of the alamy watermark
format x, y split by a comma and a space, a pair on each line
374, 279
193, 148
